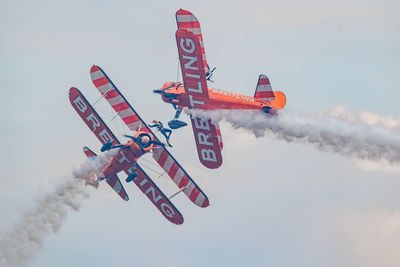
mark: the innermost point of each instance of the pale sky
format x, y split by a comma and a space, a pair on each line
272, 203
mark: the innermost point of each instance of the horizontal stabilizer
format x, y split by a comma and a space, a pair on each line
89, 153
116, 185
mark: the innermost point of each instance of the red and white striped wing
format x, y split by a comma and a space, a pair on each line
116, 99
186, 20
160, 154
180, 177
264, 89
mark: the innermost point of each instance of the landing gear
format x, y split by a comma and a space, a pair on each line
131, 177
266, 109
175, 123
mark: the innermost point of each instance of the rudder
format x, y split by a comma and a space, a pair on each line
264, 89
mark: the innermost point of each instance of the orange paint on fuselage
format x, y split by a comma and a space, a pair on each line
126, 156
219, 99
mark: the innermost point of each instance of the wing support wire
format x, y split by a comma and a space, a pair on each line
102, 95
183, 188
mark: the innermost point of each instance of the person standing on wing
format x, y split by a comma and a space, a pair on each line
165, 131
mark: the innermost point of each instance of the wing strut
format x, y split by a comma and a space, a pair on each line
183, 188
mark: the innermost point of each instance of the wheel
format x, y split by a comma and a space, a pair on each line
266, 109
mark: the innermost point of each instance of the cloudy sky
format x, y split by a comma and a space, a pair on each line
272, 203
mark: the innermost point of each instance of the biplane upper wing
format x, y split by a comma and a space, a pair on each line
104, 134
195, 83
186, 20
135, 123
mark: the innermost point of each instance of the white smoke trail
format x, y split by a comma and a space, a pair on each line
340, 112
370, 142
20, 244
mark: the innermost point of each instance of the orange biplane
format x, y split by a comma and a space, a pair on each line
195, 94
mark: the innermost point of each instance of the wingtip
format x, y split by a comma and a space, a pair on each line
182, 11
94, 68
206, 203
72, 90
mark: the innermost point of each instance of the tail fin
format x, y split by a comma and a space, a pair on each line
113, 180
264, 90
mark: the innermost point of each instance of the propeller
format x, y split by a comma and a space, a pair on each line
128, 136
165, 94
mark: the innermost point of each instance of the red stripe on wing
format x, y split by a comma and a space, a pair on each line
184, 181
131, 119
101, 81
111, 94
120, 107
172, 171
194, 194
163, 158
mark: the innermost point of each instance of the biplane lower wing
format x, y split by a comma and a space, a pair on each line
155, 195
104, 134
174, 170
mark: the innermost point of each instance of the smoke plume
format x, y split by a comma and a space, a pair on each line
20, 244
367, 117
350, 136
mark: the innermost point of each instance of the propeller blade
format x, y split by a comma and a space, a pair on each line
129, 136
